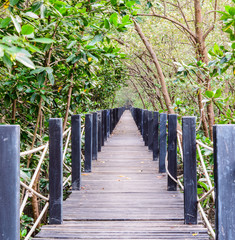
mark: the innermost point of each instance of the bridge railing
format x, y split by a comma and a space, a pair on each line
162, 134
61, 146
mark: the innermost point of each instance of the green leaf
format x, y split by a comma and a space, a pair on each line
114, 19
232, 11
96, 39
33, 48
32, 15
106, 24
20, 87
51, 78
7, 61
130, 3
70, 58
24, 233
37, 70
16, 24
43, 40
42, 11
1, 52
33, 97
126, 19
5, 22
22, 58
49, 70
114, 2
44, 97
71, 44
14, 2
218, 93
209, 94
27, 29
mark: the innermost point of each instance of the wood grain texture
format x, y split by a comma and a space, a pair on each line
124, 197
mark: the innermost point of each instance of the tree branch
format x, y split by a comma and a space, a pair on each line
171, 20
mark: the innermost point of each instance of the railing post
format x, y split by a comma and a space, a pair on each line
155, 137
111, 121
99, 130
55, 171
102, 126
150, 130
162, 143
224, 160
105, 125
108, 123
142, 122
115, 117
88, 142
190, 170
172, 151
10, 182
76, 151
95, 136
145, 128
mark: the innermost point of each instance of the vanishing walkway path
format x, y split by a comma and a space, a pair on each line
124, 197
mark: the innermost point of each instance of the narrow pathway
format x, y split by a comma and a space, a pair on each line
124, 197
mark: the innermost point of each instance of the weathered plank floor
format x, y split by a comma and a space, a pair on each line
124, 197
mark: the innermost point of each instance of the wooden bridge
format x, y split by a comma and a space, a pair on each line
124, 197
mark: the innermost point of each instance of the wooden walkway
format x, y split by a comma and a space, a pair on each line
124, 197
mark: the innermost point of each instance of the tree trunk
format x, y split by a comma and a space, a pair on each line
68, 106
158, 67
202, 55
14, 111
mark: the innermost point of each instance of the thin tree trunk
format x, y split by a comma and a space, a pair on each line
202, 55
14, 111
138, 93
158, 67
68, 106
202, 114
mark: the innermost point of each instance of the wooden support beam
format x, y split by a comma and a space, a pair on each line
10, 182
95, 136
76, 152
172, 151
56, 171
224, 159
88, 142
190, 170
155, 136
162, 143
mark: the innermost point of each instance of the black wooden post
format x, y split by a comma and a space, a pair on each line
190, 170
172, 151
102, 127
111, 121
115, 117
95, 136
155, 137
108, 123
99, 131
55, 171
88, 142
105, 125
145, 130
224, 159
142, 122
10, 182
150, 130
162, 143
76, 152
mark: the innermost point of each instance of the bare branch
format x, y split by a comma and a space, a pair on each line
171, 20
